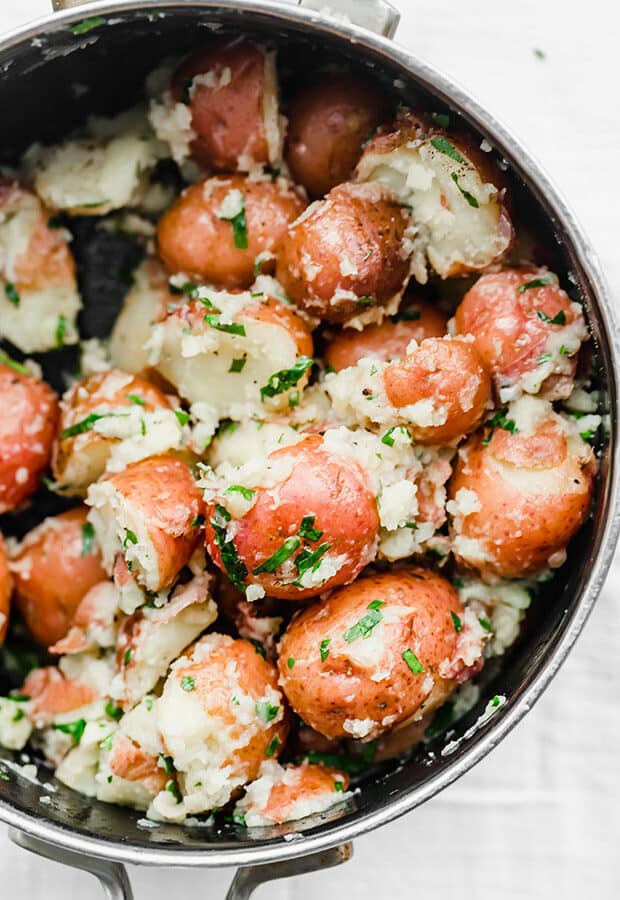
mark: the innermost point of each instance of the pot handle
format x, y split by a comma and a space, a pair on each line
375, 15
115, 881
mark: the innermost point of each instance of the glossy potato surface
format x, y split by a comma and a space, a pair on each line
6, 589
341, 661
57, 564
28, 415
347, 254
197, 237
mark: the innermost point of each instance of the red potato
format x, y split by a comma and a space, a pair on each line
132, 763
526, 329
39, 299
232, 89
455, 192
229, 369
55, 567
218, 227
52, 694
27, 425
329, 120
150, 513
373, 655
347, 255
314, 528
93, 625
287, 794
416, 320
518, 499
445, 376
94, 413
221, 714
6, 589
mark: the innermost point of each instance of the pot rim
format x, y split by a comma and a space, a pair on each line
333, 834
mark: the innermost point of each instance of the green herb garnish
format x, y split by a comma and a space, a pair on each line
239, 226
138, 401
74, 729
183, 417
11, 293
113, 711
61, 331
536, 283
559, 319
444, 146
413, 662
366, 625
286, 378
238, 365
87, 25
499, 420
84, 425
266, 711
246, 493
308, 531
235, 567
485, 624
272, 747
389, 439
130, 538
442, 120
458, 625
13, 364
88, 538
324, 649
469, 197
290, 662
188, 684
279, 557
233, 328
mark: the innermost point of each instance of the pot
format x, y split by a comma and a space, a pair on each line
54, 74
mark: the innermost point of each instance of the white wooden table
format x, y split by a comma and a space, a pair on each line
540, 818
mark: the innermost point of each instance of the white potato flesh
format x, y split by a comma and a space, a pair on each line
132, 329
198, 361
460, 220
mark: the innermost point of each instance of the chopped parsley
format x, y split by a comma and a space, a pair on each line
413, 662
308, 531
113, 711
12, 364
588, 435
564, 350
294, 399
183, 417
238, 365
536, 283
106, 743
74, 729
279, 557
84, 425
272, 747
19, 715
235, 567
444, 146
469, 197
545, 358
499, 420
188, 684
11, 293
286, 378
339, 787
389, 439
324, 649
485, 624
290, 662
442, 120
246, 493
366, 625
197, 522
559, 319
61, 331
130, 538
173, 788
188, 288
456, 621
127, 657
134, 398
233, 328
496, 701
87, 25
309, 559
239, 819
539, 54
88, 538
167, 763
366, 300
239, 226
266, 711
259, 648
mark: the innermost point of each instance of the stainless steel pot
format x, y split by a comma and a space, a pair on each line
51, 78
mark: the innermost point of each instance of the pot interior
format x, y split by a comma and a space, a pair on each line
51, 83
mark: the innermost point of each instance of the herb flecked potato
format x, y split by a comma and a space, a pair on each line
56, 565
375, 654
28, 416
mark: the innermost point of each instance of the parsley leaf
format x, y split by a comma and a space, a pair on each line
272, 747
12, 364
456, 621
88, 538
469, 197
74, 729
61, 331
188, 684
246, 493
308, 531
324, 649
413, 662
84, 425
235, 567
279, 557
536, 283
11, 293
87, 25
239, 226
499, 420
238, 365
266, 711
286, 378
559, 319
444, 146
366, 625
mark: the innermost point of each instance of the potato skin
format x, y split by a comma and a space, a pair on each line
52, 576
347, 254
27, 425
6, 589
449, 373
519, 528
82, 399
329, 120
510, 334
338, 690
228, 119
193, 239
415, 321
215, 680
53, 694
274, 312
332, 489
163, 492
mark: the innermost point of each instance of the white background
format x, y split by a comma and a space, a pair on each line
540, 818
